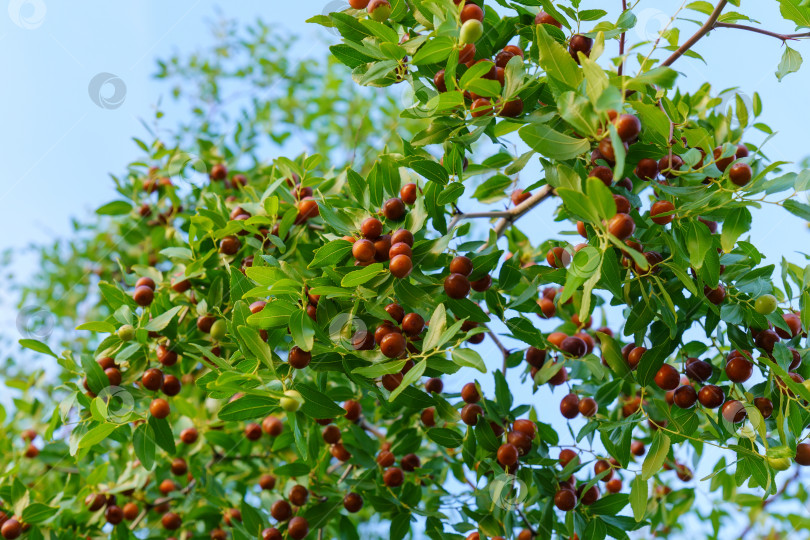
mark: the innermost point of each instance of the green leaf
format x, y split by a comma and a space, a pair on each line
413, 375
656, 456
400, 526
556, 61
143, 441
782, 373
698, 242
797, 208
163, 434
438, 323
639, 493
469, 358
434, 51
114, 208
349, 27
96, 379
492, 189
450, 194
97, 326
661, 76
317, 404
790, 63
609, 505
552, 144
613, 355
601, 198
431, 170
577, 111
449, 438
96, 435
477, 71
378, 370
274, 314
257, 346
177, 253
349, 55
302, 330
37, 346
37, 513
358, 277
381, 31
293, 470
251, 519
735, 224
331, 254
248, 407
162, 321
502, 393
580, 205
619, 151
796, 11
703, 7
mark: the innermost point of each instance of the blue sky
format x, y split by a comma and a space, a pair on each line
59, 146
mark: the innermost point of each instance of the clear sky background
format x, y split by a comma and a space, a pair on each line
59, 146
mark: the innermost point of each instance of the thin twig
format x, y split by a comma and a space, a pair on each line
148, 506
368, 427
504, 350
345, 474
783, 37
671, 130
526, 522
471, 215
768, 501
621, 42
702, 31
518, 211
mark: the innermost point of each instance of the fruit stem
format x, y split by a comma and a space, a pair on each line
702, 31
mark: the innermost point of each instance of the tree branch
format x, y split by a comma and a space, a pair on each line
504, 350
766, 502
783, 37
368, 427
518, 211
471, 215
621, 42
702, 31
148, 506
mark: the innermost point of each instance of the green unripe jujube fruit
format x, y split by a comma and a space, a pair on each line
471, 31
765, 304
219, 330
291, 401
126, 332
379, 10
780, 464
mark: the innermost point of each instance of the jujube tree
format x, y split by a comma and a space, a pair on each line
272, 339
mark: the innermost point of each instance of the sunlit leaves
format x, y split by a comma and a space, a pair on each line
790, 63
